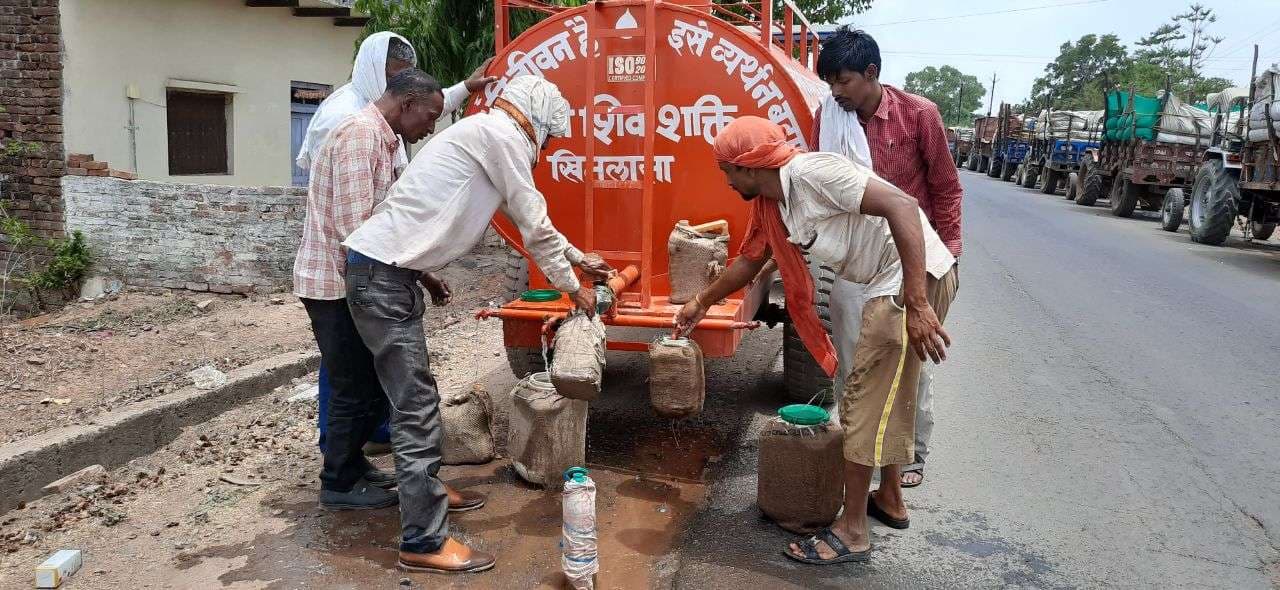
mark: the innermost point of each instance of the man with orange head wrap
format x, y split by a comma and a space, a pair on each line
869, 232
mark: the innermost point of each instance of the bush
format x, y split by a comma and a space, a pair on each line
20, 271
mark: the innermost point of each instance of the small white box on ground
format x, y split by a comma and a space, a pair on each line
58, 567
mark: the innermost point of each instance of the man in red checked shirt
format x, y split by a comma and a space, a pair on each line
901, 137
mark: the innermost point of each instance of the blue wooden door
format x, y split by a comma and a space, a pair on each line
300, 117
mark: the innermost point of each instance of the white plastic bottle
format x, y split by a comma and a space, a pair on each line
579, 558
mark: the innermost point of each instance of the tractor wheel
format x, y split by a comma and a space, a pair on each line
984, 164
993, 169
1124, 197
1214, 202
801, 374
1006, 171
972, 164
1050, 185
1171, 210
522, 361
1073, 185
1094, 185
1029, 181
1262, 231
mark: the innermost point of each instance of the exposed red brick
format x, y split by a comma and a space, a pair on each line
123, 174
94, 165
102, 172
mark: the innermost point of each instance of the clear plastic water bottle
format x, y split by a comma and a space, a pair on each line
579, 558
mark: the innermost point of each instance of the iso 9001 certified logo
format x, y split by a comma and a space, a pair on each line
626, 68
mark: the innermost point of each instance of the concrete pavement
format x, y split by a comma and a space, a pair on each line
1107, 419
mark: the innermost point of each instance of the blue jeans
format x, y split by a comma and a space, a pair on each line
381, 435
386, 306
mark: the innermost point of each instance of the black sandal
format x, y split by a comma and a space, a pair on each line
810, 548
874, 511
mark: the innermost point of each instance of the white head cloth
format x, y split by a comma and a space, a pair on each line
368, 82
542, 103
842, 133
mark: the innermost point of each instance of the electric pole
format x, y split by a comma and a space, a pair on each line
991, 100
960, 101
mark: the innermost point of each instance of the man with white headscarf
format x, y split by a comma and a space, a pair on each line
381, 56
435, 213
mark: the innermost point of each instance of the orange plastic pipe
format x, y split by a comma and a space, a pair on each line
626, 321
621, 281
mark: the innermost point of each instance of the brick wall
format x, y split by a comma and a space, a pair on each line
188, 236
31, 97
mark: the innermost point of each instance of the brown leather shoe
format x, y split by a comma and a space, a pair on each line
452, 558
463, 500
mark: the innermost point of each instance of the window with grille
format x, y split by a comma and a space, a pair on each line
198, 132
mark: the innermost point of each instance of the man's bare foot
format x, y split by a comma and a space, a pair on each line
855, 544
912, 478
452, 557
894, 508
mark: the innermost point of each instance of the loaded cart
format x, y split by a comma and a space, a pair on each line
963, 143
1011, 145
1240, 174
1149, 146
1061, 140
650, 84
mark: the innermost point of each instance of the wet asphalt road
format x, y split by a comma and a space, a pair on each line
1110, 417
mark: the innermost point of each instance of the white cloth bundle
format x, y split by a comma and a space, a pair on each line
842, 133
368, 82
1185, 124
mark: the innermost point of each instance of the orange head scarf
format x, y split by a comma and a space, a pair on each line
753, 142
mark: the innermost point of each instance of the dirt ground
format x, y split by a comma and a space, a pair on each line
231, 503
67, 367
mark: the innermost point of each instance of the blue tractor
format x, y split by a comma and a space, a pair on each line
1062, 140
1012, 144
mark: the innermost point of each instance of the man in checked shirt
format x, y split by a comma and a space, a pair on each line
349, 176
901, 137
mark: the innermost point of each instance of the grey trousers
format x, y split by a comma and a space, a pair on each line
386, 304
846, 322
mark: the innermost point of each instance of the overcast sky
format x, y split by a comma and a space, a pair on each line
1017, 43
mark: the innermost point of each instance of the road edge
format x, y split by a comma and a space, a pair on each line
118, 436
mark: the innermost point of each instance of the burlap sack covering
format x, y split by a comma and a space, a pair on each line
466, 417
801, 475
695, 260
548, 432
677, 383
578, 365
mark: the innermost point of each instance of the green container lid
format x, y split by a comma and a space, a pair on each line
578, 474
804, 414
540, 295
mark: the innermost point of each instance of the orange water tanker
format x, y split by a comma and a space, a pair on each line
650, 83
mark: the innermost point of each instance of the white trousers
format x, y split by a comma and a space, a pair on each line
846, 323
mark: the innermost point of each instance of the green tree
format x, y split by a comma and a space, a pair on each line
820, 11
1178, 49
451, 37
943, 86
1079, 76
